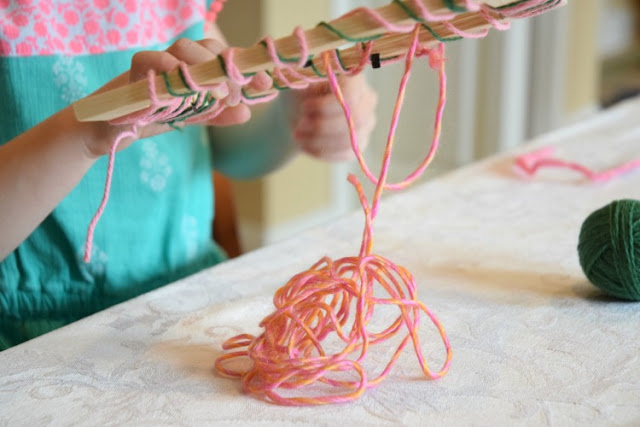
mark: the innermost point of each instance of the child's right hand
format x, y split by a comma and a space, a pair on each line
183, 50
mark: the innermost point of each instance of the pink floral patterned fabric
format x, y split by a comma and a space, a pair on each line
80, 27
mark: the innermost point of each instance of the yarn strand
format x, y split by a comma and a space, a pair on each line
531, 162
107, 190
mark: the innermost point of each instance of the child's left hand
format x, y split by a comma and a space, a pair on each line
318, 123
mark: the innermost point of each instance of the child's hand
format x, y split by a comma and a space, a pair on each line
319, 126
187, 51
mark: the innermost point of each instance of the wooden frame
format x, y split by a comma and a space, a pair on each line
134, 97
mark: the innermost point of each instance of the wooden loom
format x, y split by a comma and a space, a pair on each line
134, 97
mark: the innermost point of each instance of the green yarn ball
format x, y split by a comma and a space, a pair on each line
609, 249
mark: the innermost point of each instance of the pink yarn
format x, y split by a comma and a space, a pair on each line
319, 304
107, 190
531, 162
436, 60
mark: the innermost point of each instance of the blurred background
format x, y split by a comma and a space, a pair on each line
544, 73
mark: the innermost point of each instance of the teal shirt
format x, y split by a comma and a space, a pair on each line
157, 225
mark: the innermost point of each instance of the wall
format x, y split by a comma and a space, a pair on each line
583, 61
619, 50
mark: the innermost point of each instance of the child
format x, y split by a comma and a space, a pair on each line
157, 226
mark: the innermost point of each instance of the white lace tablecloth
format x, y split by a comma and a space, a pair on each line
495, 258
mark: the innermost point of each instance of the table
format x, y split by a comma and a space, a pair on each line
495, 258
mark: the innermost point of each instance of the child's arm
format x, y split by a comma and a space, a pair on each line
38, 169
41, 166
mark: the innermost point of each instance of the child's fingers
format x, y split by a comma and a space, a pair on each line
260, 82
334, 145
191, 52
232, 116
347, 83
182, 51
311, 130
357, 93
194, 52
215, 46
144, 61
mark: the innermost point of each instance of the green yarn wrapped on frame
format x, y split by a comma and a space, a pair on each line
609, 249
